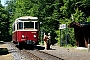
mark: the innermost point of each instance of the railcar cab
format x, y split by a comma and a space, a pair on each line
24, 23
25, 29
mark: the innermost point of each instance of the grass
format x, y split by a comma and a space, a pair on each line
1, 42
3, 51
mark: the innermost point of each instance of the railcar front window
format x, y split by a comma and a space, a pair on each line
20, 25
28, 24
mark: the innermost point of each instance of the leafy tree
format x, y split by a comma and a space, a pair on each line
79, 16
11, 10
80, 11
4, 24
51, 13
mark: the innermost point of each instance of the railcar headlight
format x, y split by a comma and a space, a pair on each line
34, 36
23, 36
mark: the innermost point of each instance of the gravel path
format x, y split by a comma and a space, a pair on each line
69, 53
27, 54
64, 53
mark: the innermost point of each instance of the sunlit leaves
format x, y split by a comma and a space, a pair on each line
79, 16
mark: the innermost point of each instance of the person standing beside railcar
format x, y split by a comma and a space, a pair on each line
45, 41
48, 41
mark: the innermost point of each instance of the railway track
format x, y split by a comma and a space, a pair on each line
29, 54
43, 55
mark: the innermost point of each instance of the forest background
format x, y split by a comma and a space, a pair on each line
51, 13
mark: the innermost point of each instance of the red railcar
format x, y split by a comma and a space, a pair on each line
25, 31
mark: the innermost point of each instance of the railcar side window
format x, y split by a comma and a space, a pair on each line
36, 25
28, 24
20, 25
17, 26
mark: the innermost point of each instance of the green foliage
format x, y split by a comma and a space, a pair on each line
88, 19
58, 36
80, 11
4, 24
51, 13
71, 39
79, 16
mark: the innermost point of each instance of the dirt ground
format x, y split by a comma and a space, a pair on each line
4, 54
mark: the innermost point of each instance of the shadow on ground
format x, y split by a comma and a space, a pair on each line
42, 48
39, 47
30, 47
3, 51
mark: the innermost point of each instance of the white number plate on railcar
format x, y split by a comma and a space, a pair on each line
29, 42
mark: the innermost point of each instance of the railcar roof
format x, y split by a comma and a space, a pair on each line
27, 17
